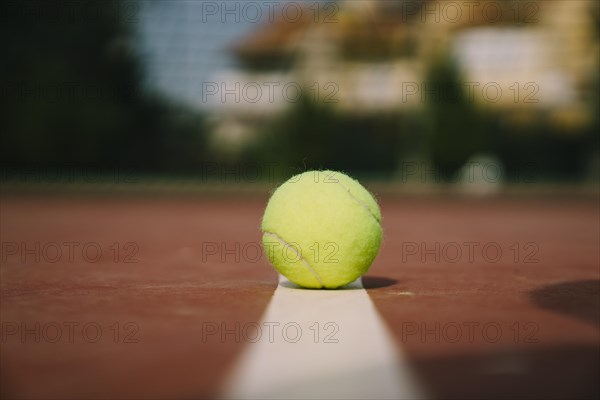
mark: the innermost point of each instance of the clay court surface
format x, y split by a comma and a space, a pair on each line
471, 322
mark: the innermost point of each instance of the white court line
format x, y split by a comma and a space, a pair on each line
364, 363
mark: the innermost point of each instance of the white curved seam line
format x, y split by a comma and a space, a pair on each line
286, 244
359, 202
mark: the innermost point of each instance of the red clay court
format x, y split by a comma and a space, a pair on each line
131, 320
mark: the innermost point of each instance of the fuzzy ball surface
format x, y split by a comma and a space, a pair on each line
321, 229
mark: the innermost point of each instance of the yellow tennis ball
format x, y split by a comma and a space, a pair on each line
322, 229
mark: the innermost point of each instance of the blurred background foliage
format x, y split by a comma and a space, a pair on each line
313, 135
73, 95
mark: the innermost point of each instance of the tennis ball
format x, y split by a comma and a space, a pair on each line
321, 229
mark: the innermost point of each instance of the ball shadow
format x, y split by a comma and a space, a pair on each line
578, 299
376, 282
368, 282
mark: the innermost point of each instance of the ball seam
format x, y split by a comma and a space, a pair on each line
360, 202
304, 261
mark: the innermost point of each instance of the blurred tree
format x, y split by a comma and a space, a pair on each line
72, 92
456, 125
539, 151
532, 151
313, 135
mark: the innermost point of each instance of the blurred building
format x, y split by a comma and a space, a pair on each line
534, 59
